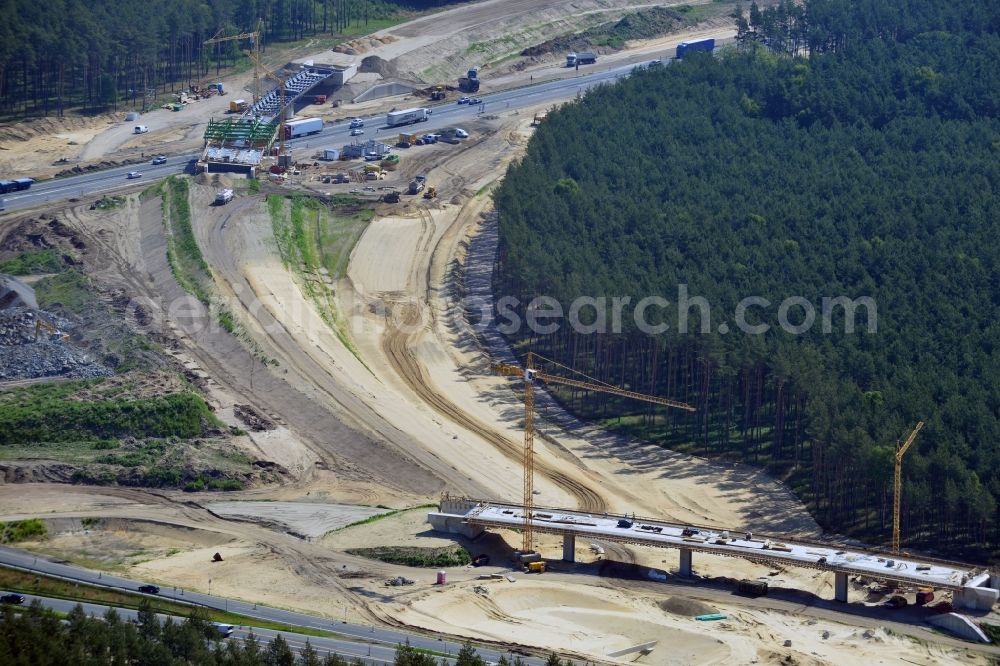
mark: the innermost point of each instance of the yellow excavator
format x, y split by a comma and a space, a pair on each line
41, 324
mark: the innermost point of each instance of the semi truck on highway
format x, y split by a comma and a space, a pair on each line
707, 45
15, 185
407, 116
585, 58
303, 127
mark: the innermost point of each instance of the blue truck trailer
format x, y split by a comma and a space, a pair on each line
707, 45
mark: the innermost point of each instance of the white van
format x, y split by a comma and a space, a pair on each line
140, 129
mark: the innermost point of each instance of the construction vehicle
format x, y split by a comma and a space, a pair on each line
319, 99
900, 450
238, 106
535, 567
539, 118
222, 197
754, 588
416, 186
470, 83
430, 193
42, 325
897, 601
530, 374
392, 197
438, 93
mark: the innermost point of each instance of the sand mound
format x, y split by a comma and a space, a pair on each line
686, 607
377, 65
214, 180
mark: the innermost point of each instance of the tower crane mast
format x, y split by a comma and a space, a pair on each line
898, 486
530, 374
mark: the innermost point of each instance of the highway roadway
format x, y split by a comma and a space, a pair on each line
368, 641
449, 114
371, 653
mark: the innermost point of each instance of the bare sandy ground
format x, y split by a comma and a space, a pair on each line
600, 621
312, 519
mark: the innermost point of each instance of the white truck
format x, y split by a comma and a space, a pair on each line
303, 127
223, 197
407, 116
140, 129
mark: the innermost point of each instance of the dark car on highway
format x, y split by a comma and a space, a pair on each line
149, 589
12, 599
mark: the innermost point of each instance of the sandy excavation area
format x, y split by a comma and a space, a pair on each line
310, 519
412, 411
601, 622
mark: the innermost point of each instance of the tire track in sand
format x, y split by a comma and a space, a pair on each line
396, 345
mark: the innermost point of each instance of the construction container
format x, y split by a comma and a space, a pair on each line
536, 567
441, 577
331, 154
925, 595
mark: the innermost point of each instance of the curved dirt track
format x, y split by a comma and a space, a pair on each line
396, 344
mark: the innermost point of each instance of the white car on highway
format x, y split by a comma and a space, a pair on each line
357, 131
133, 174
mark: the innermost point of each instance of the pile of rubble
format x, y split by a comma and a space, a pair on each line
29, 350
398, 581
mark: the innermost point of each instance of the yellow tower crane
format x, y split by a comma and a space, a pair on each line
900, 450
530, 375
254, 52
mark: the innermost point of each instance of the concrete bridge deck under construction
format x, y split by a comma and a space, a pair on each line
972, 587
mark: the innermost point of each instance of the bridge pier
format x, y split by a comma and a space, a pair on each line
840, 586
685, 569
569, 548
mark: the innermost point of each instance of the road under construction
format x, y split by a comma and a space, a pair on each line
972, 587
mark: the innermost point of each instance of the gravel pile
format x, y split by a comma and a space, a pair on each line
22, 357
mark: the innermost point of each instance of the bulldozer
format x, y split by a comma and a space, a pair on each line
391, 197
438, 93
430, 193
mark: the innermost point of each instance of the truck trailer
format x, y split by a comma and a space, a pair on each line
296, 128
586, 58
407, 116
706, 45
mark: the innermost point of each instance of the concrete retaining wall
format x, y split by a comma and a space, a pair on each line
384, 90
960, 626
976, 598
